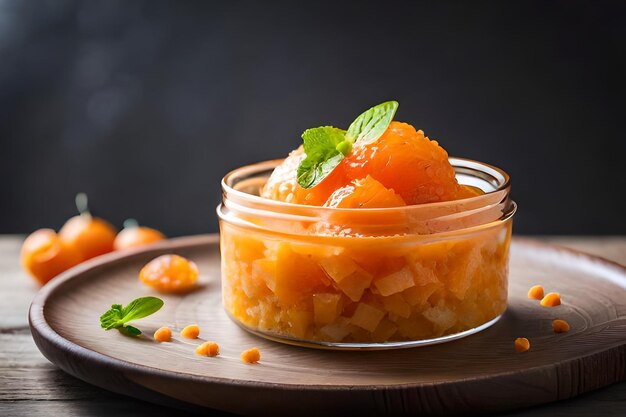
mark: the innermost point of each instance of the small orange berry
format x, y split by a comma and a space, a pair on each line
90, 236
535, 292
521, 344
170, 273
551, 299
164, 334
208, 349
560, 326
252, 355
190, 332
135, 236
44, 255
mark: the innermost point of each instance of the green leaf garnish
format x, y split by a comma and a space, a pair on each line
117, 316
326, 146
371, 124
322, 155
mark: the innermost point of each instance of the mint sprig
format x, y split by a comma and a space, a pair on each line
326, 146
117, 316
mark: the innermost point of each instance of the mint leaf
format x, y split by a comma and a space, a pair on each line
372, 123
141, 307
326, 146
117, 316
111, 318
322, 155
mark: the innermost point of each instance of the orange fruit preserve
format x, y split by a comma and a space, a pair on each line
389, 247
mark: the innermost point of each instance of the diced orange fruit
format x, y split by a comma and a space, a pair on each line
326, 308
442, 318
395, 282
367, 317
365, 293
355, 284
296, 275
396, 304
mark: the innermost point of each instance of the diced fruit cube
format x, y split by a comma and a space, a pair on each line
296, 276
384, 331
338, 267
325, 308
337, 331
397, 305
395, 283
247, 249
367, 317
266, 269
423, 275
416, 296
355, 284
442, 317
299, 321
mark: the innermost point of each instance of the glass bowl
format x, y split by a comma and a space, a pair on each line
365, 278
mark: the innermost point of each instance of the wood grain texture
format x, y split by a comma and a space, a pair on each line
480, 373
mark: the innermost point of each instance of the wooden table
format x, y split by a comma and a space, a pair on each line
32, 386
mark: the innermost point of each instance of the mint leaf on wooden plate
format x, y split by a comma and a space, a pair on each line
117, 316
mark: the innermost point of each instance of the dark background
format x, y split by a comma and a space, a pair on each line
144, 105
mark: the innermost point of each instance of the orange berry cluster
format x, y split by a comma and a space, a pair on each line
45, 253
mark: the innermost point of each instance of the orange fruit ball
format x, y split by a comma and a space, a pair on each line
403, 161
133, 237
90, 236
44, 255
407, 162
170, 274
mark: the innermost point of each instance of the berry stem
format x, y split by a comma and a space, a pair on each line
82, 204
128, 223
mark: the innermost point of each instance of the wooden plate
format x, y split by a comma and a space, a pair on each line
479, 373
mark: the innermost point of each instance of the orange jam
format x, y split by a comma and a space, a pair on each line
368, 259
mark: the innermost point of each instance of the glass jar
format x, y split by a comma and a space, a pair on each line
365, 278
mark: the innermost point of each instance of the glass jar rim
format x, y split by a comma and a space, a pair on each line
228, 187
241, 204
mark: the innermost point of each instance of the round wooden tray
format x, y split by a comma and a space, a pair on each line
479, 373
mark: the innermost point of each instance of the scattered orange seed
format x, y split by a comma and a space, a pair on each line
521, 344
535, 292
252, 355
551, 299
190, 332
560, 326
208, 349
164, 334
